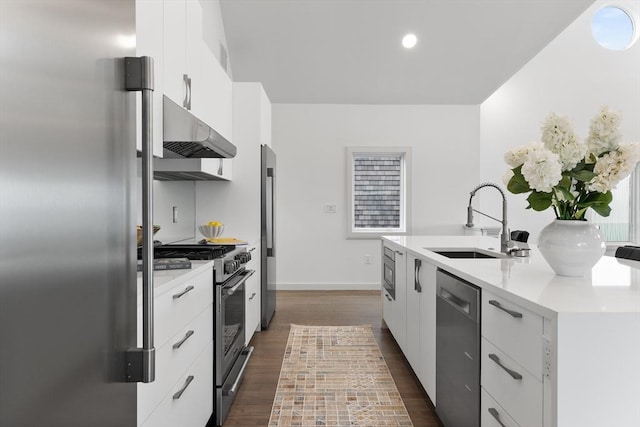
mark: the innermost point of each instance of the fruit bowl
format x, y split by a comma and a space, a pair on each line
211, 231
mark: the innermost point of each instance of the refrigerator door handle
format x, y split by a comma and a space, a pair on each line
270, 212
140, 362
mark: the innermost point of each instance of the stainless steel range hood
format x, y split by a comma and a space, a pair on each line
186, 136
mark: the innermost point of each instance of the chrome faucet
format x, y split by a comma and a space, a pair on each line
504, 237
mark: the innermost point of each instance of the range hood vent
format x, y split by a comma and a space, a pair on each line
186, 136
189, 170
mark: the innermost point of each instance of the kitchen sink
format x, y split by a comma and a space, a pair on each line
467, 253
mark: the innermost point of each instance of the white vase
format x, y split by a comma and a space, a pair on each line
571, 247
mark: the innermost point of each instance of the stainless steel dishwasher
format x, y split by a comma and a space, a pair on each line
457, 351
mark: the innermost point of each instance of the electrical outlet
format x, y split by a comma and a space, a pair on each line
329, 208
547, 352
367, 259
174, 214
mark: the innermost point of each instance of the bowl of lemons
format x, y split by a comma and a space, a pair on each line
212, 229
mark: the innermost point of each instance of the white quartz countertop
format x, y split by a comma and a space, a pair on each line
613, 286
165, 280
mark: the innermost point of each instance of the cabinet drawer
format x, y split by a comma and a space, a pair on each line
173, 358
492, 414
521, 398
176, 308
252, 306
194, 406
517, 332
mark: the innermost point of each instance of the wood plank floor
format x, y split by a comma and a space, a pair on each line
252, 406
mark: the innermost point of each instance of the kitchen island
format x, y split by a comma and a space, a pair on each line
575, 342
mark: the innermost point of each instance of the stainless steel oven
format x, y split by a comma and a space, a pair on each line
389, 271
231, 355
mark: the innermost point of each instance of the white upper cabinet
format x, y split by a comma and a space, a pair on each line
149, 42
193, 77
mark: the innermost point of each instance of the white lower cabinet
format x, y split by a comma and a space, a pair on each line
252, 297
190, 399
492, 414
394, 308
512, 386
183, 329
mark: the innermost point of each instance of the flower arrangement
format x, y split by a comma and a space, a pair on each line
570, 174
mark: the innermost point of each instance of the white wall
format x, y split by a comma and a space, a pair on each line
572, 76
310, 141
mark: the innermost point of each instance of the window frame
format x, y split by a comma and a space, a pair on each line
405, 191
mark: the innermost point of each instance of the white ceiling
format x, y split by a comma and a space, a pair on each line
349, 51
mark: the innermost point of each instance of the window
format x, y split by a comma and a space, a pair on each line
613, 28
623, 225
377, 191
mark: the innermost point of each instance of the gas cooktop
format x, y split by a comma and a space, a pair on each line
192, 252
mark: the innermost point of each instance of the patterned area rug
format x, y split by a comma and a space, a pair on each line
336, 376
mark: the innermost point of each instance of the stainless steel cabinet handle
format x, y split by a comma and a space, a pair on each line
220, 165
253, 295
186, 337
417, 286
140, 362
179, 393
495, 415
399, 253
514, 374
187, 91
187, 289
511, 312
388, 297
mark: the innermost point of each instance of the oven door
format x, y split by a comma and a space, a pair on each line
389, 272
229, 326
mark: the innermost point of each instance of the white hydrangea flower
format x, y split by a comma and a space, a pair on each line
558, 137
614, 166
516, 156
604, 134
507, 177
542, 169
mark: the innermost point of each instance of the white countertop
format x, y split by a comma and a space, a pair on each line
612, 287
164, 280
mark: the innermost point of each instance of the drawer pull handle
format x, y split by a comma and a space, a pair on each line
186, 337
187, 289
511, 312
253, 295
494, 414
179, 393
399, 253
388, 297
514, 374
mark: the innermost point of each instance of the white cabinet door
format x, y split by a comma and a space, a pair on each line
394, 310
174, 49
427, 373
252, 295
413, 313
149, 42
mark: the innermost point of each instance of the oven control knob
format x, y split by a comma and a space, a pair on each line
243, 258
230, 267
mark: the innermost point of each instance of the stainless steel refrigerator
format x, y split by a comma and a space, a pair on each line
67, 214
268, 249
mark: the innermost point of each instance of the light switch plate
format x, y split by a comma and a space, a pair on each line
330, 208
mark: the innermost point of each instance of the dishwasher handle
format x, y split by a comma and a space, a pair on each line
459, 303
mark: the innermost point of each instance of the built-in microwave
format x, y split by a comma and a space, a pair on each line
389, 271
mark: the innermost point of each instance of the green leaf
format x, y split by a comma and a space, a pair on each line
582, 175
566, 194
602, 210
596, 198
565, 182
517, 184
539, 201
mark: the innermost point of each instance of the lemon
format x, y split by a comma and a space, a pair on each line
214, 223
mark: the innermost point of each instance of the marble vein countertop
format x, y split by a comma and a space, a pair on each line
613, 286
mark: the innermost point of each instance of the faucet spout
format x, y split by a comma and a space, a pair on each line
504, 237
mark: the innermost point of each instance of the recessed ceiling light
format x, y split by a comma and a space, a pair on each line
409, 41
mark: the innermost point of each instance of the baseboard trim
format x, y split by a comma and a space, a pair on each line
328, 286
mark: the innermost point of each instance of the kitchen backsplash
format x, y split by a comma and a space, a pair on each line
170, 196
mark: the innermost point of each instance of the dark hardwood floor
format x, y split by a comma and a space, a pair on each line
252, 406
